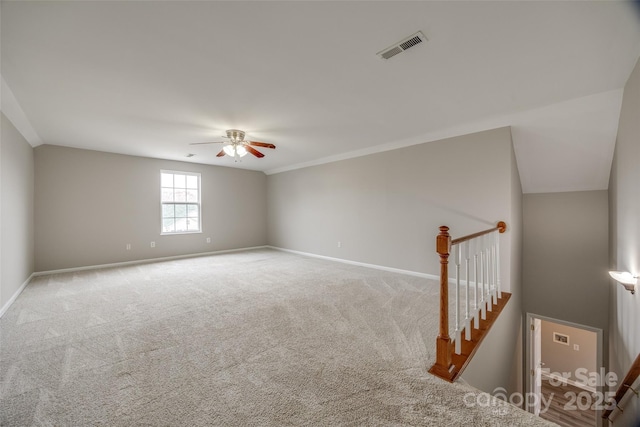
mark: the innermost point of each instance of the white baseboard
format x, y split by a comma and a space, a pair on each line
116, 264
169, 258
15, 295
360, 264
144, 261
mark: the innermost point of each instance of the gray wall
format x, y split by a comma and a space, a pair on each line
492, 366
565, 257
560, 358
624, 214
89, 205
385, 209
16, 216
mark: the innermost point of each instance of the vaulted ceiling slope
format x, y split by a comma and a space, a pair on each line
148, 78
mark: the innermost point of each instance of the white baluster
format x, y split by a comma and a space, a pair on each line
494, 287
467, 322
488, 273
483, 273
498, 265
476, 297
490, 256
457, 256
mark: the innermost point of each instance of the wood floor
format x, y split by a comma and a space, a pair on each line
564, 410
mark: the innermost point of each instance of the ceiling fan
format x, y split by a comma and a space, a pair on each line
237, 146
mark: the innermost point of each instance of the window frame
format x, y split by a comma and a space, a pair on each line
162, 203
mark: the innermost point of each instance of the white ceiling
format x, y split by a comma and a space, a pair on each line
148, 78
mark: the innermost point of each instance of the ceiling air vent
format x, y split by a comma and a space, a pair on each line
403, 45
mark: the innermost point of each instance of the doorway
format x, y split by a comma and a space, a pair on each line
564, 368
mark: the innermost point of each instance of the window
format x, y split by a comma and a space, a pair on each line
180, 198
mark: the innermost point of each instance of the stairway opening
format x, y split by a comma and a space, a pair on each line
564, 371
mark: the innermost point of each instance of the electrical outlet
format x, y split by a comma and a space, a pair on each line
208, 239
153, 244
576, 347
128, 246
339, 244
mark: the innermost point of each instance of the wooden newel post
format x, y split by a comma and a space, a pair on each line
450, 363
443, 244
443, 365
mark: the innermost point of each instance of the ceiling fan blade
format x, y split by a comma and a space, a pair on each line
220, 154
212, 142
260, 144
253, 151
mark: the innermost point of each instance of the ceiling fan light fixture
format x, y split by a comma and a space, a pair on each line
229, 150
236, 146
235, 135
241, 150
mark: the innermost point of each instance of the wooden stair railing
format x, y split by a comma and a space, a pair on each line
627, 382
452, 359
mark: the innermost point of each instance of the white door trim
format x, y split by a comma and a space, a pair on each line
529, 384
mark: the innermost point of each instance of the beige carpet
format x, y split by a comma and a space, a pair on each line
257, 338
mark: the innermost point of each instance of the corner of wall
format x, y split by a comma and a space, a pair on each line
16, 213
624, 244
483, 371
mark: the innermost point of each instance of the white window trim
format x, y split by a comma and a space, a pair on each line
176, 233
